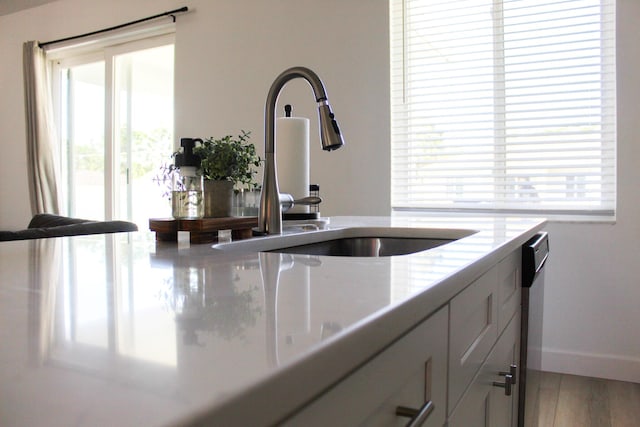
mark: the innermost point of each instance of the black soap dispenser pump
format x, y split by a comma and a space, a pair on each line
187, 159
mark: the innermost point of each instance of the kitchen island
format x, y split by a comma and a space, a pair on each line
122, 330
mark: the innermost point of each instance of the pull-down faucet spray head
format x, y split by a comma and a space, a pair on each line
329, 131
270, 214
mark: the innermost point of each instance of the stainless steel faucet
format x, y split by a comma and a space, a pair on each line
270, 214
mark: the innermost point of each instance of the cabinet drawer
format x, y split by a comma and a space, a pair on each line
410, 372
509, 288
473, 332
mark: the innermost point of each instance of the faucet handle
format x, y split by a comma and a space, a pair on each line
308, 201
287, 201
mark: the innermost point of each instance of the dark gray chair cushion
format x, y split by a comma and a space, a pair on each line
47, 225
49, 220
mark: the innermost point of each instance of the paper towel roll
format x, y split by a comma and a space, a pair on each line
292, 158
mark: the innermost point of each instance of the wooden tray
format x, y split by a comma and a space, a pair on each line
204, 230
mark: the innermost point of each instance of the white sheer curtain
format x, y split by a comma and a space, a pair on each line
42, 143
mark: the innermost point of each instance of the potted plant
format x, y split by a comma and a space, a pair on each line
226, 162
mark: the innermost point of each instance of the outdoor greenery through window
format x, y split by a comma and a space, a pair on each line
503, 105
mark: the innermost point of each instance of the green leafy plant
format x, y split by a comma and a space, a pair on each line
229, 158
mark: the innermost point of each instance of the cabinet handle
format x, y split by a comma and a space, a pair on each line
418, 416
506, 385
513, 371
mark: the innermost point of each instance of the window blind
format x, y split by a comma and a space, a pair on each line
503, 105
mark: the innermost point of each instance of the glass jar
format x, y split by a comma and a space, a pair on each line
187, 200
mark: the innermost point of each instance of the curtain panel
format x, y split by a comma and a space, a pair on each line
42, 144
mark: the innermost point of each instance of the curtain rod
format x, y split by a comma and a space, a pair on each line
117, 27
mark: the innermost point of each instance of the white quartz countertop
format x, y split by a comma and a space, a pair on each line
120, 330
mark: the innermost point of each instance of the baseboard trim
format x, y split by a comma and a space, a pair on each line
591, 365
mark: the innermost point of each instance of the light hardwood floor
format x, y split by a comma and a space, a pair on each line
573, 401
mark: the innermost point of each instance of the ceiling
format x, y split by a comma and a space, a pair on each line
11, 6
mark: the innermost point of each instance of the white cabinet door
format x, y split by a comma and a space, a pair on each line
409, 373
485, 404
509, 287
473, 332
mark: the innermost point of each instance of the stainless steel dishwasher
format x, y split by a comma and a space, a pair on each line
534, 255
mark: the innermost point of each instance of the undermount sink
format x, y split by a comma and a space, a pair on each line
351, 242
366, 246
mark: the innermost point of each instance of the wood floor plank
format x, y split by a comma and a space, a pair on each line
624, 400
547, 400
571, 410
598, 403
574, 401
547, 403
551, 380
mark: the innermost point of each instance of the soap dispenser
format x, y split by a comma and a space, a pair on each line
187, 200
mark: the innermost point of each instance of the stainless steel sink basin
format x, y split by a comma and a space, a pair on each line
351, 242
366, 246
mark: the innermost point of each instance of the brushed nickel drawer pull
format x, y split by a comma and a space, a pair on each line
418, 416
508, 380
513, 371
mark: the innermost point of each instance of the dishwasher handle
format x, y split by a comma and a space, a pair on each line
534, 255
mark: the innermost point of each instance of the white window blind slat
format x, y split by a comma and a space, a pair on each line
503, 105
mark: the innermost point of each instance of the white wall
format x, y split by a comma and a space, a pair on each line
592, 320
227, 54
11, 6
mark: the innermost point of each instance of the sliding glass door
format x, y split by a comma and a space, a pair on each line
115, 114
